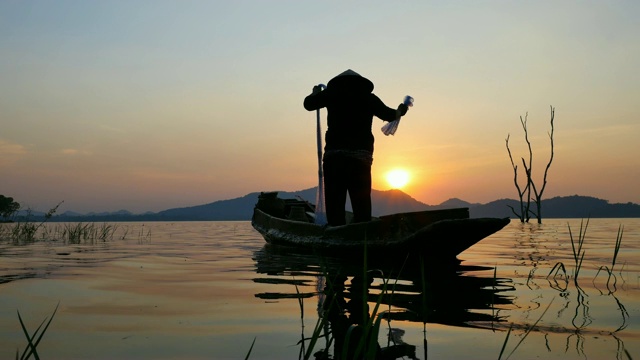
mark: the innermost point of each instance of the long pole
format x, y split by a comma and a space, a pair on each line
321, 215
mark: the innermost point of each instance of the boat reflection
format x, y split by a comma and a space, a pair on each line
354, 296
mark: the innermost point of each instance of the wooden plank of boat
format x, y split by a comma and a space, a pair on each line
434, 233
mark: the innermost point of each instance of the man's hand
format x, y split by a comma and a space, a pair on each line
402, 109
316, 89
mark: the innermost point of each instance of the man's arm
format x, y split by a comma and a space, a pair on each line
315, 100
386, 113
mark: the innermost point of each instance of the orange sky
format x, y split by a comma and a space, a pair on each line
151, 105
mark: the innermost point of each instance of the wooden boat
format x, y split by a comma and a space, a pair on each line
434, 233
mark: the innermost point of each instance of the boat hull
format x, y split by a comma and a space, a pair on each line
440, 233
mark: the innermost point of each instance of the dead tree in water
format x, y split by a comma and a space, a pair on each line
525, 207
523, 215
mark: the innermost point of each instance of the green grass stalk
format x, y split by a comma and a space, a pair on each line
321, 323
250, 348
25, 231
576, 247
616, 251
558, 267
504, 345
31, 348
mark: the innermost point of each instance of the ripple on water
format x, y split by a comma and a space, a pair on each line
203, 289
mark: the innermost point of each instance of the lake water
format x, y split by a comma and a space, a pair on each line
206, 290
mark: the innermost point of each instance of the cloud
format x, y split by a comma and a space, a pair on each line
11, 152
112, 129
74, 152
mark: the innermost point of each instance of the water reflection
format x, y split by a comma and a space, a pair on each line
351, 301
190, 292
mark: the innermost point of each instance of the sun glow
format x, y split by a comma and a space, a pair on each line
397, 178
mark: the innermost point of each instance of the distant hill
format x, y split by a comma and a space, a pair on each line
383, 202
575, 206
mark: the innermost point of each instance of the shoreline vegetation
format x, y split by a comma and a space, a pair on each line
26, 232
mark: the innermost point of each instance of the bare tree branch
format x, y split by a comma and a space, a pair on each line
538, 195
522, 215
526, 212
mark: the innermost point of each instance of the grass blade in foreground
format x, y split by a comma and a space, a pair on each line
31, 348
251, 348
525, 334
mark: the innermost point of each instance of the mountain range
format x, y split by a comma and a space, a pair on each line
383, 203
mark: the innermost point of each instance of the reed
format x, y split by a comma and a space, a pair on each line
106, 231
25, 230
559, 266
142, 236
616, 251
250, 348
576, 247
32, 345
321, 324
363, 338
88, 232
527, 332
124, 233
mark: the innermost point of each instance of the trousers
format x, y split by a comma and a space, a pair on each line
342, 175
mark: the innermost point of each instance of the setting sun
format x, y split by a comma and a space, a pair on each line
397, 178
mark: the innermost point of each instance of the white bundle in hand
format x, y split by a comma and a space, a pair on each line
391, 127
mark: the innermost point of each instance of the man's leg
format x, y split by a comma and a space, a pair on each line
360, 190
335, 190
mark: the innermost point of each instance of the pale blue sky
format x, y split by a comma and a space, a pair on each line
147, 105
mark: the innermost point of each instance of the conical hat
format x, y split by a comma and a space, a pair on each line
348, 72
351, 78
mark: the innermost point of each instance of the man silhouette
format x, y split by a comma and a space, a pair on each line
348, 152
